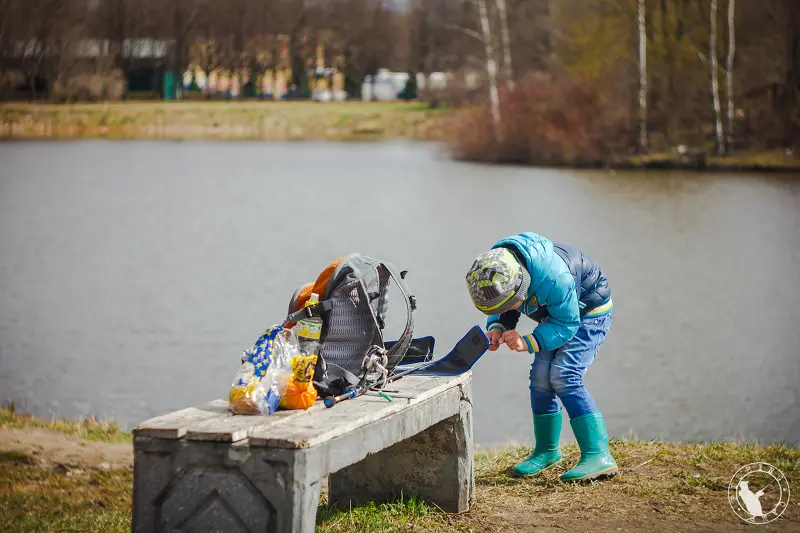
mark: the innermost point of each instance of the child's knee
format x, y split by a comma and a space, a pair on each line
540, 378
564, 379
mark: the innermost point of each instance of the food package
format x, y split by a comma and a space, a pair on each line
300, 393
265, 373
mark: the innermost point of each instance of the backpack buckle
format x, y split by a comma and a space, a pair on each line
308, 311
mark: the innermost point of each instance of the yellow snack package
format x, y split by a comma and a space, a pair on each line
241, 396
300, 394
264, 374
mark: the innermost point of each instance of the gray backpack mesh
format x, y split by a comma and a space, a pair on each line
356, 301
350, 327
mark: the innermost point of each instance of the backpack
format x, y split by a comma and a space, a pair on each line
353, 304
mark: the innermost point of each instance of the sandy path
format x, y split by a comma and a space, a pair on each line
68, 450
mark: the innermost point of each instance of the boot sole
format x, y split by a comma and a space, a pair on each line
609, 472
539, 472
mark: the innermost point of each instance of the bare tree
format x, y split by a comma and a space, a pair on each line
642, 78
712, 52
178, 20
530, 34
729, 70
508, 69
40, 28
64, 43
491, 67
112, 24
8, 29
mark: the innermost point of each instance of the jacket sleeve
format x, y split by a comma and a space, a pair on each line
503, 322
564, 320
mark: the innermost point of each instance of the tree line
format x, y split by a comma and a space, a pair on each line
615, 77
48, 38
664, 66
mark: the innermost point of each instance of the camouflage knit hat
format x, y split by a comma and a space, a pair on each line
496, 281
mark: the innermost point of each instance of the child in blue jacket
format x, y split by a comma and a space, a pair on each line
568, 296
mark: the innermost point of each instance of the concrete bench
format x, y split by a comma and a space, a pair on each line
201, 469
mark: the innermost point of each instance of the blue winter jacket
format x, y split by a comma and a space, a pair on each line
566, 285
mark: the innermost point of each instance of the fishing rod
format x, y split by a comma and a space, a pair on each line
354, 392
459, 360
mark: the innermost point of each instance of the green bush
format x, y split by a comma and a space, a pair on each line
409, 92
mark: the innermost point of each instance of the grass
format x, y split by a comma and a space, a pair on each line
41, 499
408, 514
89, 429
302, 120
661, 487
776, 160
243, 120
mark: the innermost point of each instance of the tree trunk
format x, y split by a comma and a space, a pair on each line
790, 98
666, 76
642, 79
680, 28
508, 70
491, 67
712, 52
729, 70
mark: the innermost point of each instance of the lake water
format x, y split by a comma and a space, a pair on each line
133, 274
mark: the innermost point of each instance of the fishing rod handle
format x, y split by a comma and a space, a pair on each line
330, 401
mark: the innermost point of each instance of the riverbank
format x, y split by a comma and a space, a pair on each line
772, 161
753, 161
247, 120
661, 487
299, 121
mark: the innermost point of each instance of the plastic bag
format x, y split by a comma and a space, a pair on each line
265, 373
301, 393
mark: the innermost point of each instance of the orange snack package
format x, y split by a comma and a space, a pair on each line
301, 393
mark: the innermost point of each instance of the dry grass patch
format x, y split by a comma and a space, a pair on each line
89, 429
661, 487
242, 120
670, 487
33, 498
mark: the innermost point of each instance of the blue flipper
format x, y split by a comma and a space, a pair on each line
419, 351
460, 359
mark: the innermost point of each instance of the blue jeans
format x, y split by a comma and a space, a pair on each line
560, 372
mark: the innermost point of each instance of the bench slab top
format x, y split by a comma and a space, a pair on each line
302, 428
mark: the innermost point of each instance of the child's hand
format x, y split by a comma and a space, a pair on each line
514, 341
494, 337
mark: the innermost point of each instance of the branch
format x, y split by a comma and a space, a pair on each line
466, 31
704, 60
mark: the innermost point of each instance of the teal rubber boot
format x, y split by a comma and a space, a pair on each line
547, 452
596, 460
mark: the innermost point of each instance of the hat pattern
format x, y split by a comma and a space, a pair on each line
496, 281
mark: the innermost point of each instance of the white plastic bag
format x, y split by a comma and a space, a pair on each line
265, 373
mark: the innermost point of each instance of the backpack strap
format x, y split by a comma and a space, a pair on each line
320, 286
382, 303
309, 311
398, 349
331, 379
294, 299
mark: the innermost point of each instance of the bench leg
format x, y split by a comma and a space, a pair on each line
203, 487
436, 465
304, 500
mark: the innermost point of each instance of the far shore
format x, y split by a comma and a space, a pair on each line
218, 120
254, 120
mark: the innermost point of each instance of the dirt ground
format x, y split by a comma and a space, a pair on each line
680, 490
54, 449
